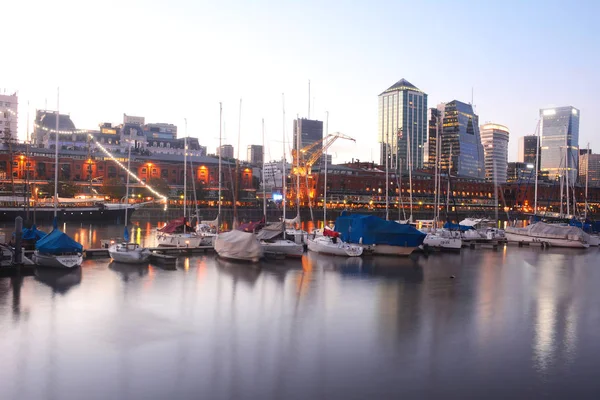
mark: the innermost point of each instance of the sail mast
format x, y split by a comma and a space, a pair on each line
325, 178
537, 160
283, 173
56, 154
220, 182
263, 172
184, 174
587, 170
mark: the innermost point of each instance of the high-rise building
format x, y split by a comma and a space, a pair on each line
402, 117
9, 112
520, 172
460, 137
130, 119
589, 163
226, 151
255, 154
494, 138
311, 132
434, 126
528, 149
559, 129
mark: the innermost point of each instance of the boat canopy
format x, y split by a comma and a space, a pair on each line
251, 226
472, 221
270, 231
33, 233
57, 242
176, 226
369, 229
552, 231
238, 245
456, 227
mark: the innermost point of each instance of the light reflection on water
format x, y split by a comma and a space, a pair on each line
513, 322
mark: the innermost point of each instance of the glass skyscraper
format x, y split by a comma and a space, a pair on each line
559, 129
402, 115
494, 138
311, 132
461, 138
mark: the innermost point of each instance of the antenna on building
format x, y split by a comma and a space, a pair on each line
309, 99
472, 99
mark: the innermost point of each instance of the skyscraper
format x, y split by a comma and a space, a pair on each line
460, 136
494, 139
434, 126
402, 115
9, 113
559, 129
255, 154
311, 132
225, 150
528, 148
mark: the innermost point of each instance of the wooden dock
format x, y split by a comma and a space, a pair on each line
159, 253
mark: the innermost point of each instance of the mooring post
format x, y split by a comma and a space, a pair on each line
18, 236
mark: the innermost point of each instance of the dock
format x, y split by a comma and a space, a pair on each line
158, 252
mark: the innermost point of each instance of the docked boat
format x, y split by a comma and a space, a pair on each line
553, 235
130, 253
443, 241
238, 245
178, 233
378, 235
272, 240
207, 230
58, 250
330, 243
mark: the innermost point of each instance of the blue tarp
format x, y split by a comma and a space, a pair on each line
587, 226
57, 242
375, 230
456, 227
33, 233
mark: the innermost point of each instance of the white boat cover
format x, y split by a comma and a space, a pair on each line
238, 245
293, 221
214, 222
551, 231
270, 231
471, 221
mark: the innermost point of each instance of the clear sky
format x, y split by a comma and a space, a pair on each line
170, 60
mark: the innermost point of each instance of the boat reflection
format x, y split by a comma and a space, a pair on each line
60, 280
128, 272
244, 272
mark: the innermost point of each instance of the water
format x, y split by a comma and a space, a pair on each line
515, 323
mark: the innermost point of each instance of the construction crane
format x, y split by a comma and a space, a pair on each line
313, 152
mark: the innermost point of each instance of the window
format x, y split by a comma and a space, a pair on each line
143, 170
77, 166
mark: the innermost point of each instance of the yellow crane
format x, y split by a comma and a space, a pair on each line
309, 155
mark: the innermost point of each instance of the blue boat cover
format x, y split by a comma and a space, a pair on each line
33, 233
126, 235
586, 226
457, 227
57, 242
375, 230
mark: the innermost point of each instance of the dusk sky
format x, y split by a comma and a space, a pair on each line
170, 60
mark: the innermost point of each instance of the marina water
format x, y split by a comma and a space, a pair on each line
512, 323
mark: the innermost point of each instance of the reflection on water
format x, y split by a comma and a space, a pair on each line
512, 323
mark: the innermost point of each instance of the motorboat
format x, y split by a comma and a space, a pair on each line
550, 234
443, 241
326, 245
130, 253
272, 240
378, 235
207, 230
58, 250
238, 245
178, 233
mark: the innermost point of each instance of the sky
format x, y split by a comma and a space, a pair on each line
175, 60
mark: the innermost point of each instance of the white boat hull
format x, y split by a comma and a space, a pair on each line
388, 250
130, 256
239, 246
182, 240
520, 238
57, 261
442, 243
283, 246
324, 245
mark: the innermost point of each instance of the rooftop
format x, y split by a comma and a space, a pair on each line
402, 84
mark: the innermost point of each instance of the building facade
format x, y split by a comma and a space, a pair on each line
528, 148
226, 151
494, 138
434, 126
255, 154
311, 131
274, 174
402, 124
130, 119
461, 148
589, 164
520, 172
9, 113
559, 128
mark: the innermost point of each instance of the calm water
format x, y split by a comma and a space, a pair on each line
516, 323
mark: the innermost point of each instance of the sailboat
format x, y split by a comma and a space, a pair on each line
273, 236
178, 233
57, 249
126, 252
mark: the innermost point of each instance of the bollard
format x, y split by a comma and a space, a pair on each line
18, 236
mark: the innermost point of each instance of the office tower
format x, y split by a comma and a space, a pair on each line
559, 129
225, 150
9, 109
520, 172
494, 138
255, 154
528, 148
460, 137
434, 126
311, 132
402, 115
589, 163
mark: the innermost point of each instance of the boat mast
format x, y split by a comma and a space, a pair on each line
56, 154
298, 144
220, 129
409, 153
537, 160
263, 172
435, 174
587, 170
567, 174
325, 178
283, 173
387, 180
184, 174
127, 178
448, 189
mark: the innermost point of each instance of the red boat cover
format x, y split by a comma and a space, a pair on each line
252, 226
330, 233
176, 226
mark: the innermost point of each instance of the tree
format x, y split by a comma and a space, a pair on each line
114, 188
65, 189
160, 185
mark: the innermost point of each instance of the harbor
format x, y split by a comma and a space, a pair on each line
517, 320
